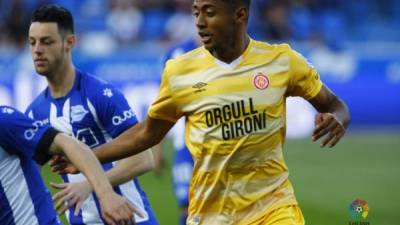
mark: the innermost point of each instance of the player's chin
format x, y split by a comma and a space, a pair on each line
41, 70
208, 45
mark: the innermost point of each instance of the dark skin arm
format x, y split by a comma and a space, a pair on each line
136, 139
333, 117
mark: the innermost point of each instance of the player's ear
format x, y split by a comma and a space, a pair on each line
70, 40
242, 15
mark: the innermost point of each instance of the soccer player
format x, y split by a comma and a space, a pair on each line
183, 162
24, 198
87, 108
232, 93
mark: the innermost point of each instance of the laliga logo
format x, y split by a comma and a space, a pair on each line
359, 209
117, 120
30, 133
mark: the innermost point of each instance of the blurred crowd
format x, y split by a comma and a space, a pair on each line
128, 22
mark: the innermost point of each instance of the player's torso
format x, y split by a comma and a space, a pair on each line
235, 129
225, 104
77, 114
74, 115
20, 183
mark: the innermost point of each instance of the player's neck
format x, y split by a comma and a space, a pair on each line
62, 81
233, 50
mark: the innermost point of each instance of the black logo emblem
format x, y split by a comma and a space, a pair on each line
199, 87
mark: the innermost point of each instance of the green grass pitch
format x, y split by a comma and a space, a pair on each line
326, 181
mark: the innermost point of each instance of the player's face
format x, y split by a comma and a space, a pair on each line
215, 23
47, 47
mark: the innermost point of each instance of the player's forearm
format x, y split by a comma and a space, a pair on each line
327, 102
341, 111
128, 168
337, 107
84, 159
133, 141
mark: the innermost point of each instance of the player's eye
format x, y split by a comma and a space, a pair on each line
47, 42
195, 13
210, 13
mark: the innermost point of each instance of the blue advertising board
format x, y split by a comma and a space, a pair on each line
372, 90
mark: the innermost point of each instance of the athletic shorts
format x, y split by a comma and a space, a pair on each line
286, 215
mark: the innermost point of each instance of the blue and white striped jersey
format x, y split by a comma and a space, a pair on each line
94, 112
24, 199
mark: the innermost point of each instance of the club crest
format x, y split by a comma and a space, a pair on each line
260, 81
77, 113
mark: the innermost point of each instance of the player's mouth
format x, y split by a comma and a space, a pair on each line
40, 62
205, 37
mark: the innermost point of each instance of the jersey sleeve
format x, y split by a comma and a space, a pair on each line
24, 136
304, 78
164, 107
113, 110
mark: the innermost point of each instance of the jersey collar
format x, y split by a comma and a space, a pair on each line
75, 86
232, 65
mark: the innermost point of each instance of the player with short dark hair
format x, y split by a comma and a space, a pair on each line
232, 93
24, 198
87, 108
55, 14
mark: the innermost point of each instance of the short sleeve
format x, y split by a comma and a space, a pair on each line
164, 107
113, 110
304, 79
21, 135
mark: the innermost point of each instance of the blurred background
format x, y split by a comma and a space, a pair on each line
355, 45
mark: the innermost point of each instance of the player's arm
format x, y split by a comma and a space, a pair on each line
134, 140
114, 208
332, 119
131, 167
122, 172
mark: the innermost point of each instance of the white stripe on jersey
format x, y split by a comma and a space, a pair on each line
62, 123
16, 189
128, 189
92, 110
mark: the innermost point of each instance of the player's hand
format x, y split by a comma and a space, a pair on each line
117, 210
70, 194
60, 164
328, 124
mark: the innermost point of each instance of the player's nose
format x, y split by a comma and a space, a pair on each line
37, 48
201, 21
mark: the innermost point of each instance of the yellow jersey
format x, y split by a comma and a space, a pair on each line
235, 127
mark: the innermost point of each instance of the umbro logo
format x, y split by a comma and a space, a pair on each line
199, 87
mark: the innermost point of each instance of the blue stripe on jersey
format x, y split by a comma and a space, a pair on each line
6, 214
76, 220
